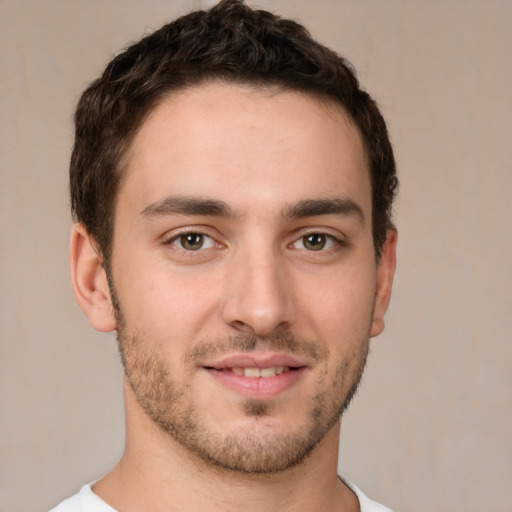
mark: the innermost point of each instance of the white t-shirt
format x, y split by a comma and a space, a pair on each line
87, 501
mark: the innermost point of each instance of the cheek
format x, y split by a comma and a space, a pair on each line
339, 306
165, 304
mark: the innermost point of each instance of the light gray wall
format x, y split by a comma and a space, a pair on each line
431, 427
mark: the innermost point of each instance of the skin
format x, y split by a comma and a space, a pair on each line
265, 156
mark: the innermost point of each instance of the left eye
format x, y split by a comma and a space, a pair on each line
315, 242
193, 241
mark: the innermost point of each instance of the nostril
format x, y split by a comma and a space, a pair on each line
242, 326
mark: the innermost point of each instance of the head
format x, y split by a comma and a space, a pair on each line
233, 189
229, 42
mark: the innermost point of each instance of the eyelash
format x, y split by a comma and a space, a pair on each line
330, 240
198, 232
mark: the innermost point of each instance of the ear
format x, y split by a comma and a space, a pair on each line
89, 280
385, 273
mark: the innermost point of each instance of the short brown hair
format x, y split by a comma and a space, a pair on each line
229, 42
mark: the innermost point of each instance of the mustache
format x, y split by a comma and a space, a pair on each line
246, 342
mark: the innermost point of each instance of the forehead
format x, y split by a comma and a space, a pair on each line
246, 145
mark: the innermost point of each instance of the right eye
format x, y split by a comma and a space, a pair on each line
192, 241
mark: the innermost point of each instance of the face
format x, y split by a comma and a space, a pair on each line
243, 272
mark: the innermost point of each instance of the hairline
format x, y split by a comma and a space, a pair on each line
329, 103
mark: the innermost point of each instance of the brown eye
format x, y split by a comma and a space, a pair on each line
318, 242
314, 241
193, 241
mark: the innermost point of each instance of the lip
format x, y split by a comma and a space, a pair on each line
255, 360
257, 387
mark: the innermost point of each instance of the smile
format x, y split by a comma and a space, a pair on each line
260, 372
257, 377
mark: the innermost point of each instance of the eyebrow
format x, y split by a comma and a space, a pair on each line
183, 205
186, 205
344, 207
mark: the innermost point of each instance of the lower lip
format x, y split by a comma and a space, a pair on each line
257, 387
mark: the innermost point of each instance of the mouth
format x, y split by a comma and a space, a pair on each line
252, 373
255, 372
257, 376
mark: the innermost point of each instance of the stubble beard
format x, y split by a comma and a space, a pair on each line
166, 402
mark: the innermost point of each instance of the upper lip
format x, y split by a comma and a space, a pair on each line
255, 360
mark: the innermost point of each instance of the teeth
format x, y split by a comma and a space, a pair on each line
268, 372
252, 372
260, 372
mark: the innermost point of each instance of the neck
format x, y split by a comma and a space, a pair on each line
157, 473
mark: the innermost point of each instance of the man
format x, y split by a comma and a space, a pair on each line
232, 190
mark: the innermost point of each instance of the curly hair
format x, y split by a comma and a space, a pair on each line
229, 42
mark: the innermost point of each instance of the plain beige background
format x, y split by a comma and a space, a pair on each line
431, 428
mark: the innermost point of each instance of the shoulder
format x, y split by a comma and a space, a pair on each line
366, 504
84, 501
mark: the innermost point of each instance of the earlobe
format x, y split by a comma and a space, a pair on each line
89, 280
385, 273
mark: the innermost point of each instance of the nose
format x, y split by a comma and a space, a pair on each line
258, 295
